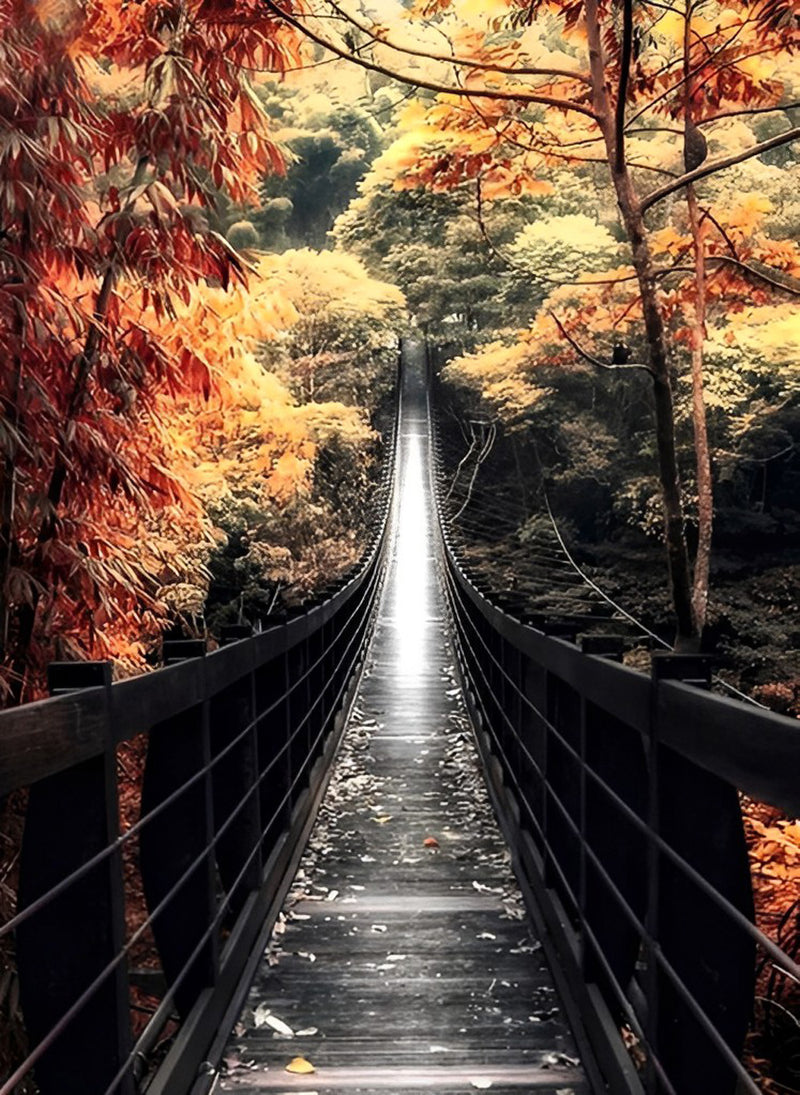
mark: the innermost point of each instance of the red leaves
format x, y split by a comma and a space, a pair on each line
98, 207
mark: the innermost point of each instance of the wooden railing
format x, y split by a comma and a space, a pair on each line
238, 748
619, 794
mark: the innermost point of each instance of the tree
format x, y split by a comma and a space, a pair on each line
118, 120
432, 247
527, 86
331, 142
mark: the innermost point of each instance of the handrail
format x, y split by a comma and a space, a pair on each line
618, 793
755, 749
239, 745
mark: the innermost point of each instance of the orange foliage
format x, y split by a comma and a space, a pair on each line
115, 118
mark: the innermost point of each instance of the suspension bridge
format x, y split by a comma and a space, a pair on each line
405, 839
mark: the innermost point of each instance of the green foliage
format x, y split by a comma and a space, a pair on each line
457, 286
564, 247
331, 144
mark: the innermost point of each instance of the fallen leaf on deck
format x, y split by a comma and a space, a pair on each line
481, 1083
382, 820
379, 927
431, 842
300, 1066
479, 886
306, 1032
263, 1017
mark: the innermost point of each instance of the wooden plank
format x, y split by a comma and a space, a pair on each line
555, 1079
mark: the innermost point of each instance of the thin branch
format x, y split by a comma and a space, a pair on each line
464, 62
429, 85
703, 64
774, 281
750, 110
728, 241
701, 172
622, 90
590, 357
756, 459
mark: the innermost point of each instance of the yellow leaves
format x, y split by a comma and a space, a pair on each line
289, 476
300, 1066
747, 214
504, 182
313, 283
769, 333
776, 851
669, 241
503, 374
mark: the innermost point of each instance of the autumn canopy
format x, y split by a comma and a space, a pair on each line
134, 318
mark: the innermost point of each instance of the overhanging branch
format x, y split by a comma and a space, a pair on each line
451, 59
598, 364
706, 169
520, 96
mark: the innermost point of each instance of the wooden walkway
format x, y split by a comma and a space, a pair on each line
403, 960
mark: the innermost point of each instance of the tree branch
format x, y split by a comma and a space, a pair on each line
429, 85
794, 290
622, 88
719, 165
451, 59
750, 110
598, 364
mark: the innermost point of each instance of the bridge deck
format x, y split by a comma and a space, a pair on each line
399, 965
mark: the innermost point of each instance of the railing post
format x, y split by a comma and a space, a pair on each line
180, 835
272, 736
615, 753
61, 949
533, 742
699, 818
234, 779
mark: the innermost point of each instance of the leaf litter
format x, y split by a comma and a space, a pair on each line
357, 789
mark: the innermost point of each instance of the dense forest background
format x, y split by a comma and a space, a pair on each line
209, 454
481, 277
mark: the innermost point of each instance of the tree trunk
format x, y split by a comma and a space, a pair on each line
705, 492
686, 638
705, 496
